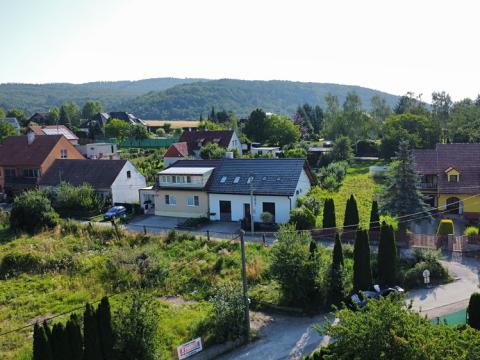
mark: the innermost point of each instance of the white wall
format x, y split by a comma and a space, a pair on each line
282, 206
125, 190
237, 146
303, 187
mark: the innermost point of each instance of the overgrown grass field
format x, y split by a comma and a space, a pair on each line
357, 182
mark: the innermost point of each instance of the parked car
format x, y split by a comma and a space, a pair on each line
361, 299
115, 212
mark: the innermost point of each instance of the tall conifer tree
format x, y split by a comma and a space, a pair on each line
104, 321
92, 350
74, 336
329, 220
41, 346
387, 256
362, 271
351, 214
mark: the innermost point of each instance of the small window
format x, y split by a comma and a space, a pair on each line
223, 179
193, 201
189, 179
129, 174
236, 180
63, 153
170, 200
174, 179
264, 178
250, 179
453, 178
10, 173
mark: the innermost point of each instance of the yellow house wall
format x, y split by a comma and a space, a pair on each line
181, 209
471, 204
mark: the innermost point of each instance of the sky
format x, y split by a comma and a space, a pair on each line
390, 45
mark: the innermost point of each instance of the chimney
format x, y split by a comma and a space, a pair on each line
30, 137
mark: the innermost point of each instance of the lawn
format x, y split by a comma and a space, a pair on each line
57, 271
357, 182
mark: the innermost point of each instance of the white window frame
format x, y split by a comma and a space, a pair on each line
223, 179
170, 200
193, 201
63, 154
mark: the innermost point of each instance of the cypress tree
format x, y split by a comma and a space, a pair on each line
41, 346
362, 271
104, 321
387, 256
351, 214
48, 331
74, 336
312, 249
374, 216
64, 118
329, 220
473, 311
337, 260
336, 288
59, 343
92, 350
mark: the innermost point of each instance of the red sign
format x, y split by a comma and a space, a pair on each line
188, 349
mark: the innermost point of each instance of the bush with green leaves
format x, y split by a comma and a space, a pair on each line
228, 312
302, 218
473, 311
77, 201
471, 231
32, 212
387, 329
266, 217
310, 202
136, 328
445, 227
420, 261
212, 151
332, 175
295, 269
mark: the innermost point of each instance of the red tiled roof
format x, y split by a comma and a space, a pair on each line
465, 158
179, 149
197, 139
15, 150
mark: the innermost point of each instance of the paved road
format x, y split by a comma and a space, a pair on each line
292, 337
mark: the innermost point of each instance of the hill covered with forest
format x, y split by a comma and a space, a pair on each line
175, 98
189, 101
33, 98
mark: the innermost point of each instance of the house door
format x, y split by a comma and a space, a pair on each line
270, 208
225, 210
453, 205
246, 211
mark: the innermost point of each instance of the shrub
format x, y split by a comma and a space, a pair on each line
266, 217
77, 201
295, 269
32, 212
160, 132
136, 327
473, 311
228, 312
212, 151
303, 218
424, 260
445, 227
471, 231
313, 204
16, 263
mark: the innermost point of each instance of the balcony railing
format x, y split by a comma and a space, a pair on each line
427, 186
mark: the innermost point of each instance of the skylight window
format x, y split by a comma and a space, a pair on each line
264, 178
250, 179
223, 179
236, 180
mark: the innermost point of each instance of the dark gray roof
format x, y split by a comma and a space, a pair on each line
270, 176
99, 173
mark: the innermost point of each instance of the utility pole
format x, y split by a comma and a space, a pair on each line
245, 290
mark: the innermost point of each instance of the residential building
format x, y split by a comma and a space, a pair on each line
185, 125
273, 151
235, 188
99, 151
115, 179
14, 122
227, 139
175, 152
55, 130
39, 118
127, 117
450, 177
25, 159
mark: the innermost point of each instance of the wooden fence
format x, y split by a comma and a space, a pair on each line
457, 243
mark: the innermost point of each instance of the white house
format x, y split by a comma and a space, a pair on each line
117, 179
99, 151
263, 150
234, 188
